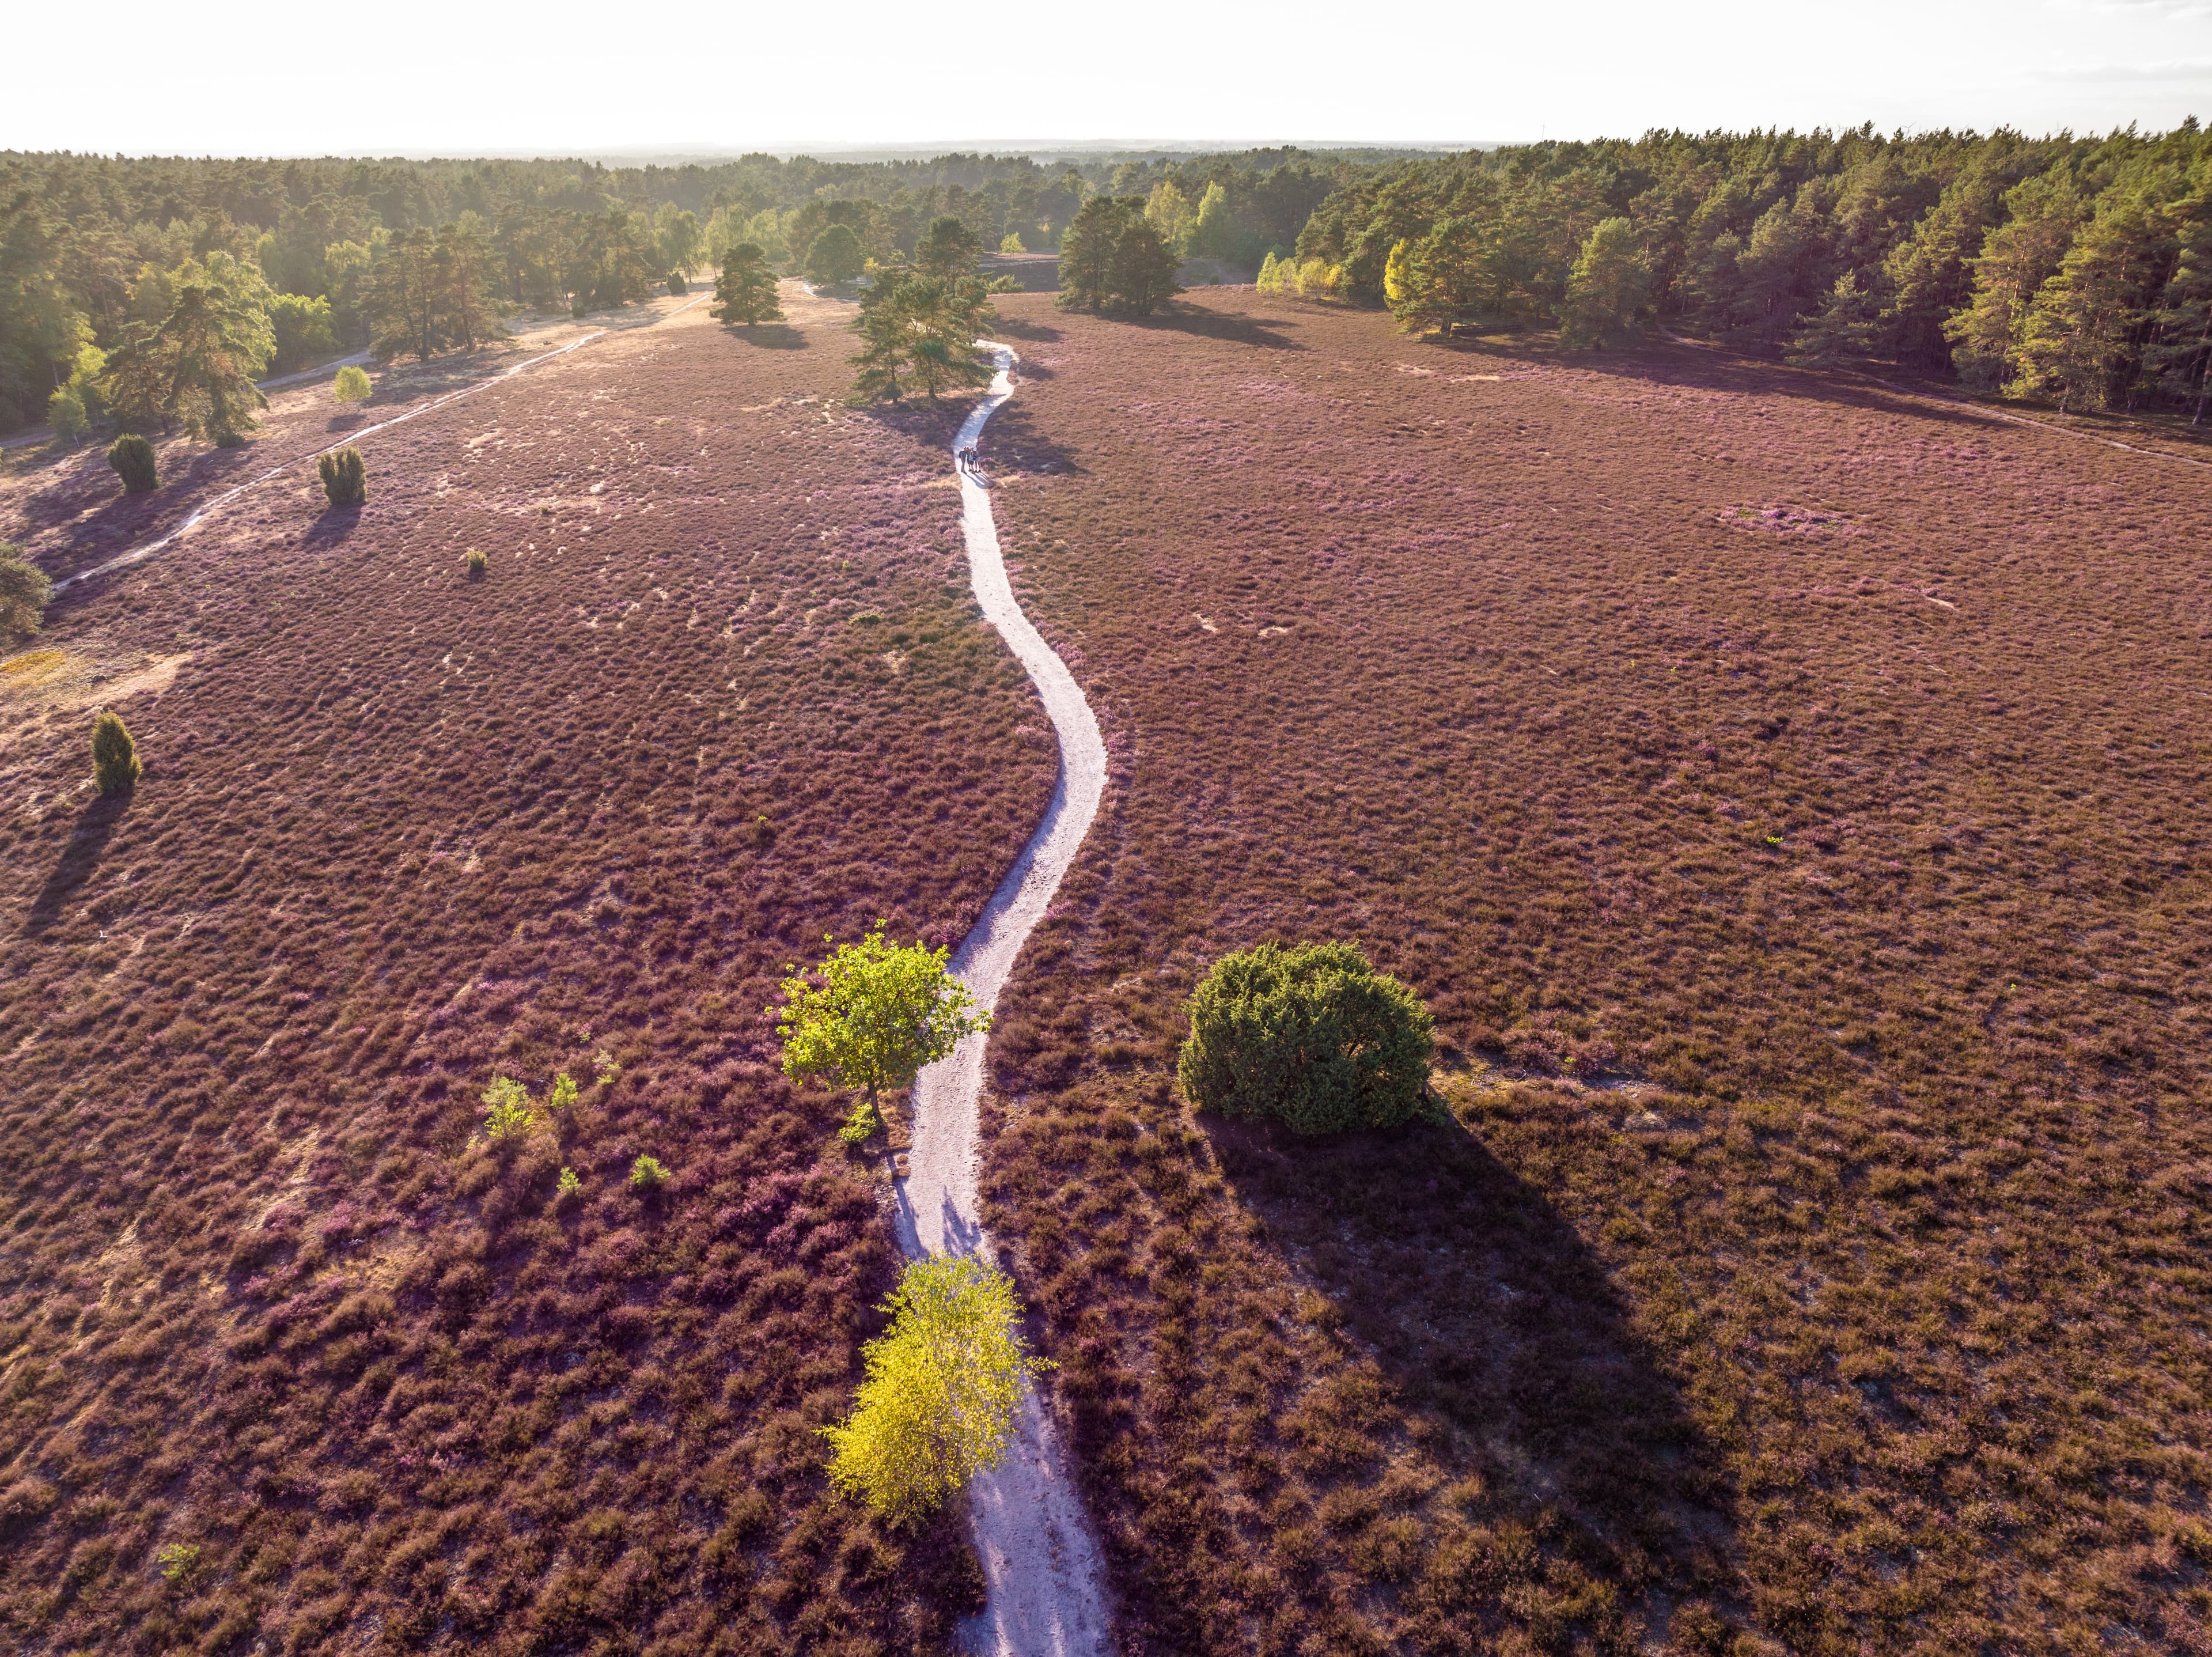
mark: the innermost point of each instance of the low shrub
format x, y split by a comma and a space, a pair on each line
476, 564
114, 755
345, 480
1004, 284
1312, 1036
25, 591
676, 285
647, 1174
508, 1114
132, 457
352, 385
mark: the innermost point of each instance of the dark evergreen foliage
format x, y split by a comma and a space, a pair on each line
114, 755
345, 480
1311, 1036
132, 457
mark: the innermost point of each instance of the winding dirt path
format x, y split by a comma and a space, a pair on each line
1047, 1583
139, 554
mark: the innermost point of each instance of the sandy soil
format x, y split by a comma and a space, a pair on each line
1046, 1583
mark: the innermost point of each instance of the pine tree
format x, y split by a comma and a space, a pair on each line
1608, 289
1850, 325
2178, 359
468, 315
402, 296
948, 249
2016, 261
1086, 252
2080, 343
745, 293
1142, 276
196, 365
918, 332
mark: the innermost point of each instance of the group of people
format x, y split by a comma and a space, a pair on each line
966, 459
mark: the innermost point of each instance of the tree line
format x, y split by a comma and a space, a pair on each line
79, 235
2077, 270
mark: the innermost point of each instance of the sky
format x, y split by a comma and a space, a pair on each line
403, 76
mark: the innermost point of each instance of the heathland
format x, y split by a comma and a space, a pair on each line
1788, 792
268, 1317
1783, 786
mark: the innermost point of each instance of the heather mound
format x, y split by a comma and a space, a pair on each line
1786, 792
289, 1364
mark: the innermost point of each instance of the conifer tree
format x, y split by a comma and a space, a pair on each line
25, 590
1086, 252
2015, 262
948, 249
1610, 285
2178, 358
2079, 345
196, 366
745, 292
114, 756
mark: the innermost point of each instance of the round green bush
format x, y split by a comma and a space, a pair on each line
352, 385
1312, 1036
132, 457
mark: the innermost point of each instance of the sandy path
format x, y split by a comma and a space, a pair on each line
139, 554
1047, 1593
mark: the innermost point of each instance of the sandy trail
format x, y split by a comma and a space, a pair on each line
1047, 1593
139, 554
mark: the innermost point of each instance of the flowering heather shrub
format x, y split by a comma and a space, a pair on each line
409, 1427
1812, 1252
1311, 1036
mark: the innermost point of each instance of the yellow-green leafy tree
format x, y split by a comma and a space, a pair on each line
870, 1016
937, 1407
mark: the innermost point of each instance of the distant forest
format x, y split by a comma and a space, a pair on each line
306, 258
2078, 271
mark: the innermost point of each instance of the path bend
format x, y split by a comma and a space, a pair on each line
1047, 1579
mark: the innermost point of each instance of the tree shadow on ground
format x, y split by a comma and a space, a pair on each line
769, 335
1012, 443
1698, 366
1263, 331
332, 528
80, 856
1014, 327
1488, 1313
347, 421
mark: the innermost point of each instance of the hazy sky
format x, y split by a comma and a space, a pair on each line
255, 76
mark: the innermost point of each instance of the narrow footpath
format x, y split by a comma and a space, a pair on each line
1047, 1581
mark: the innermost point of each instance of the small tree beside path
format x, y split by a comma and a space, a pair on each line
870, 1017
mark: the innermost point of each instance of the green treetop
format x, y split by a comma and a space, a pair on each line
745, 293
870, 1016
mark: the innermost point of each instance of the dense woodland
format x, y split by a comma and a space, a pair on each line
302, 259
2075, 271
